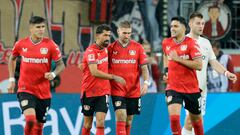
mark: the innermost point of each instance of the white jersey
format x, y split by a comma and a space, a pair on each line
207, 54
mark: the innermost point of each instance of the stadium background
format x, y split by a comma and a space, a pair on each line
71, 24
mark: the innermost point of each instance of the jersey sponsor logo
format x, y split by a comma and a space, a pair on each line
123, 61
35, 60
43, 50
102, 60
91, 57
183, 47
24, 49
132, 52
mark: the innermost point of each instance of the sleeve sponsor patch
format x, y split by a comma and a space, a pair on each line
91, 57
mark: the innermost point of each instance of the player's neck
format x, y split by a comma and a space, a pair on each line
35, 40
98, 45
194, 36
122, 43
179, 39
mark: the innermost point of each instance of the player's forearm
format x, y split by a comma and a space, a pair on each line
165, 61
11, 66
103, 75
193, 64
59, 67
145, 72
218, 66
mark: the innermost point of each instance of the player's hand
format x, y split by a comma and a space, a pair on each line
173, 56
49, 76
144, 89
11, 87
119, 79
165, 77
231, 77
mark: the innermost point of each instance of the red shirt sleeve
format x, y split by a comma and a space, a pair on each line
91, 56
142, 56
56, 53
16, 49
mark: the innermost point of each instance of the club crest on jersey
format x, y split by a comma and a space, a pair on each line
168, 48
24, 49
132, 52
43, 50
183, 47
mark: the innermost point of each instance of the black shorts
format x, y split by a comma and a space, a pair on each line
94, 104
132, 105
190, 101
41, 106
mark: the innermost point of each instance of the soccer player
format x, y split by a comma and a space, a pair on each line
34, 94
196, 24
95, 84
126, 59
182, 58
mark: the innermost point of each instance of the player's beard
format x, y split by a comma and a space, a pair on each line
105, 43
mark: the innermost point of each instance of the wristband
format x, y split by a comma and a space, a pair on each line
226, 73
53, 74
11, 79
147, 82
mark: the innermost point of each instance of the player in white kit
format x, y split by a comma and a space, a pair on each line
196, 24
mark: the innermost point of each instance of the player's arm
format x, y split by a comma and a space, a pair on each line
59, 68
145, 75
11, 70
196, 63
100, 74
222, 70
165, 65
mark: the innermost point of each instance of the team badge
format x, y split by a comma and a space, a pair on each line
168, 48
43, 50
91, 57
24, 102
183, 47
118, 103
169, 99
86, 107
132, 52
24, 49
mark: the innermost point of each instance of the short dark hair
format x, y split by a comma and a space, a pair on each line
124, 24
102, 27
180, 19
213, 6
216, 44
36, 20
196, 14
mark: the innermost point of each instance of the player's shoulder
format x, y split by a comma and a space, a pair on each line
91, 48
167, 40
23, 40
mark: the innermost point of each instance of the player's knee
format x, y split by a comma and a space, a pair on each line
88, 124
100, 122
129, 122
121, 116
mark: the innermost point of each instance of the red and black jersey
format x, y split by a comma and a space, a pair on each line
91, 85
181, 78
36, 61
126, 62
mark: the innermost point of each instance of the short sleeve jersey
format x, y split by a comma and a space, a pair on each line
93, 86
181, 78
35, 62
207, 55
126, 62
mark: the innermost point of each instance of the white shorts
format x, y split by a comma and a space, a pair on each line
203, 103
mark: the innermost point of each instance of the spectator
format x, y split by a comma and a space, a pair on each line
218, 82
